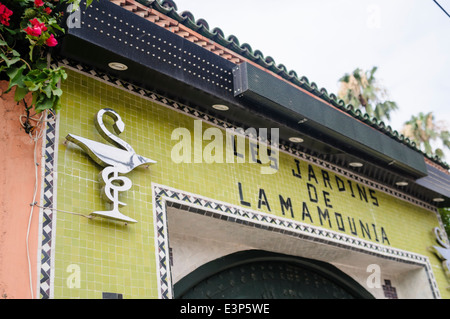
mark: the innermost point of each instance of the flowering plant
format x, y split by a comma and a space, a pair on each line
29, 29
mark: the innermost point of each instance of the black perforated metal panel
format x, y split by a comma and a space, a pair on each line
152, 47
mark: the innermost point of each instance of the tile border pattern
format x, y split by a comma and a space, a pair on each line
48, 200
47, 214
165, 196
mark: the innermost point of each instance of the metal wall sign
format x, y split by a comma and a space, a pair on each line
118, 159
442, 252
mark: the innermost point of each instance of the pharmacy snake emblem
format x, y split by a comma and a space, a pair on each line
121, 159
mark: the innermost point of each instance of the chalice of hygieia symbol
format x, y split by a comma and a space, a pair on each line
120, 159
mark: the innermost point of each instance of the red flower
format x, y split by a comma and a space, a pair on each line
36, 24
36, 28
34, 31
48, 10
5, 13
38, 3
51, 41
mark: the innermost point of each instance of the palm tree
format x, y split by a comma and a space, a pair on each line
424, 130
362, 90
445, 215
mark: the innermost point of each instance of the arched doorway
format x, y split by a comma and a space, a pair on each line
258, 274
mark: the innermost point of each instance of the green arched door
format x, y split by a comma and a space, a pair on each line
263, 275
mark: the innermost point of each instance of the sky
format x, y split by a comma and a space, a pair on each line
408, 40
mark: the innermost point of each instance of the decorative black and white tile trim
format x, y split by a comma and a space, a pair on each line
47, 213
164, 197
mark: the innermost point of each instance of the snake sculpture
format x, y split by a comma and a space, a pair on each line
118, 159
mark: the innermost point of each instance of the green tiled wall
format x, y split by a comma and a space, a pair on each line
118, 258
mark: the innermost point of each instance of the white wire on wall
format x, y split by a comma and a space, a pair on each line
39, 132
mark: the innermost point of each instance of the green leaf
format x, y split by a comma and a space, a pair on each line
13, 72
57, 92
20, 93
48, 91
11, 61
37, 75
57, 27
57, 104
15, 77
52, 21
29, 13
40, 64
75, 4
36, 96
31, 52
11, 31
44, 104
